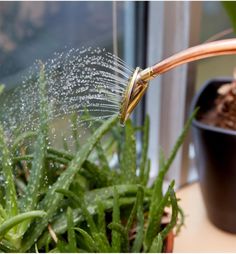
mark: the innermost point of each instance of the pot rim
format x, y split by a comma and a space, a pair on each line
198, 124
169, 243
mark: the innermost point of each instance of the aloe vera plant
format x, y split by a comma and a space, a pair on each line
89, 206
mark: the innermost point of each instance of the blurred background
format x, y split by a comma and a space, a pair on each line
141, 33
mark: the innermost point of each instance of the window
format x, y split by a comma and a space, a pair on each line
35, 30
173, 26
214, 20
142, 33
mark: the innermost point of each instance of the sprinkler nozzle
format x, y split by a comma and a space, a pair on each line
137, 86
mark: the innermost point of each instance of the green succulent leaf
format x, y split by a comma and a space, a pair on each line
181, 221
52, 199
74, 127
86, 191
13, 221
174, 216
138, 242
70, 231
88, 240
11, 196
154, 217
115, 220
1, 88
157, 244
60, 224
71, 195
30, 200
230, 8
101, 217
164, 165
97, 176
139, 197
102, 157
102, 242
146, 172
22, 137
128, 155
8, 247
122, 232
145, 144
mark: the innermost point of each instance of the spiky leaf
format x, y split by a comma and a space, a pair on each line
52, 200
30, 199
70, 231
230, 7
11, 196
128, 155
157, 245
13, 221
145, 143
116, 219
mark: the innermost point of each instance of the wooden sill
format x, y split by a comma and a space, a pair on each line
199, 235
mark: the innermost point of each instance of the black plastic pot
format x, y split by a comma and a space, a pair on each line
215, 150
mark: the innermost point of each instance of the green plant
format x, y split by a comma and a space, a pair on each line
230, 8
56, 201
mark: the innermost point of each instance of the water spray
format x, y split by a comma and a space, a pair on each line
94, 81
139, 80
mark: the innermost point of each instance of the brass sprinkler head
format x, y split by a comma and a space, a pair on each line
133, 94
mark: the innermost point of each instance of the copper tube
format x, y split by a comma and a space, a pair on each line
216, 48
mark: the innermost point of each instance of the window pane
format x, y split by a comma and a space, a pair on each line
214, 20
35, 30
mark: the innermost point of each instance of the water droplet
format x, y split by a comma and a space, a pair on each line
89, 81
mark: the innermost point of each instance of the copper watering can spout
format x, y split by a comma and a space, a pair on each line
138, 82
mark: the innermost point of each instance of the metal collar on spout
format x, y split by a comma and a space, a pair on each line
135, 90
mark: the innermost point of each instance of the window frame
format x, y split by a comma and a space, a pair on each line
173, 26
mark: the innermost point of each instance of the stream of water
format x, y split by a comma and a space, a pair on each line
86, 80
